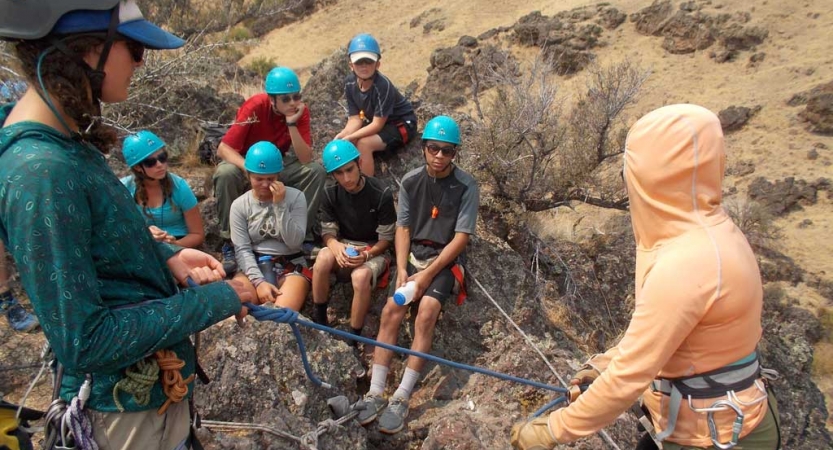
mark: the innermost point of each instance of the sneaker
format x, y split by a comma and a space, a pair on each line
19, 318
369, 407
229, 262
393, 419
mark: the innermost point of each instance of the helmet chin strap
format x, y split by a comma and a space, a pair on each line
94, 76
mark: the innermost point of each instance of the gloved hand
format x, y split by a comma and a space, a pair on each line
533, 435
586, 375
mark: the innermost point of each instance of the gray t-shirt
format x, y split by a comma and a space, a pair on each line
456, 198
266, 227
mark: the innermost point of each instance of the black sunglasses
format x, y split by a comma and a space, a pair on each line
287, 98
436, 149
151, 161
136, 49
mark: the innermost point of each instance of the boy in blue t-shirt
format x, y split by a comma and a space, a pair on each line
380, 117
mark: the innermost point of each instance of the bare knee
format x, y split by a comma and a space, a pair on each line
324, 261
361, 278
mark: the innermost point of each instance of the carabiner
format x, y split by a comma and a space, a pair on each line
737, 426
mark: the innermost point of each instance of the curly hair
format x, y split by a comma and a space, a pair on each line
141, 195
67, 81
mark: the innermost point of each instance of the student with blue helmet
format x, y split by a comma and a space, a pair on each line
165, 199
107, 294
379, 116
438, 205
269, 221
357, 228
279, 116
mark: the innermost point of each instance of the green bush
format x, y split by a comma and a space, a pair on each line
262, 65
239, 33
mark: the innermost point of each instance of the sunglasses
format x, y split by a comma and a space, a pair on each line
434, 150
288, 98
136, 49
151, 161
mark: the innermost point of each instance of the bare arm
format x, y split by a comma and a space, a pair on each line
402, 243
373, 128
231, 156
302, 150
353, 124
196, 232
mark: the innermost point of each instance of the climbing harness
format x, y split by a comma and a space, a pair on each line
721, 382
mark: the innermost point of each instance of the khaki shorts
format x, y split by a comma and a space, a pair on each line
377, 265
145, 430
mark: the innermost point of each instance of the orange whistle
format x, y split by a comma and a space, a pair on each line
435, 212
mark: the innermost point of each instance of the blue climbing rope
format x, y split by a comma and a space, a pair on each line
290, 317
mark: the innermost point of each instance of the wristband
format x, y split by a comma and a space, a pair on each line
291, 124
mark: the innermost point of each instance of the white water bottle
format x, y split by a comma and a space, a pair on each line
405, 294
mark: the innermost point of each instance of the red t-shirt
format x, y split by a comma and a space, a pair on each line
256, 121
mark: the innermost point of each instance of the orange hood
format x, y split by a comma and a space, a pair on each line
674, 182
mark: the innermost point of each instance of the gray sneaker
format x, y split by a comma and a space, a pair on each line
373, 405
393, 419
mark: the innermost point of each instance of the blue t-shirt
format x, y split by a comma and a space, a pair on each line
165, 217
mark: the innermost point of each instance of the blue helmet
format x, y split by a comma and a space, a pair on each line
264, 158
363, 46
139, 146
443, 129
338, 153
282, 80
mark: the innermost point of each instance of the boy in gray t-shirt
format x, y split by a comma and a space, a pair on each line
437, 215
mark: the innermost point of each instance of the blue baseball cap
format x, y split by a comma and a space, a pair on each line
131, 24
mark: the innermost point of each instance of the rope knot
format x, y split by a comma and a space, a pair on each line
175, 388
280, 315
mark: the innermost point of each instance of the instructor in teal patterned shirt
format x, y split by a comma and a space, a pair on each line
107, 294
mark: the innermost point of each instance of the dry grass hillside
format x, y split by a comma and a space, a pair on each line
774, 142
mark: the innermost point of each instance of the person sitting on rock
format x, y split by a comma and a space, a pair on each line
357, 227
437, 214
280, 117
690, 349
269, 221
380, 118
165, 199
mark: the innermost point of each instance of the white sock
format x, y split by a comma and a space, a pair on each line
378, 379
409, 380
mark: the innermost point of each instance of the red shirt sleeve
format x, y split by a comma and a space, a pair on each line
236, 135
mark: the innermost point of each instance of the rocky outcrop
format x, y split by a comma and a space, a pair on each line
734, 118
457, 72
784, 196
691, 29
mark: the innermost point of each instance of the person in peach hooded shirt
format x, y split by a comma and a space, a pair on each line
698, 306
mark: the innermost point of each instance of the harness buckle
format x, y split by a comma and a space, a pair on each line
737, 426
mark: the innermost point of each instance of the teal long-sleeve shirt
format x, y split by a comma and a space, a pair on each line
97, 280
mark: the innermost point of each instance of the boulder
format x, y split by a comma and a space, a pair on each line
734, 118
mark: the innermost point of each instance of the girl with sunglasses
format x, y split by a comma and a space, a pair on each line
165, 199
106, 292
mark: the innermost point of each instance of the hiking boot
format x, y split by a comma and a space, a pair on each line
229, 262
393, 419
19, 318
373, 405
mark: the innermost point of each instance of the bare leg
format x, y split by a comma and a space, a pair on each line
294, 290
324, 264
368, 145
426, 321
361, 277
392, 316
